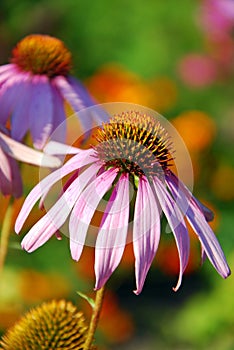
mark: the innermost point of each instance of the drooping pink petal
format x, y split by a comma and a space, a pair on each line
6, 67
20, 113
5, 174
17, 185
97, 114
59, 127
58, 214
10, 179
57, 148
83, 158
112, 235
40, 110
209, 215
76, 102
177, 224
63, 189
9, 96
81, 91
26, 154
146, 231
68, 93
7, 73
84, 209
203, 255
197, 220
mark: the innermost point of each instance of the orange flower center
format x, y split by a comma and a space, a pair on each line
42, 54
135, 143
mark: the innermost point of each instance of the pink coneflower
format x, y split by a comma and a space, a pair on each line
217, 17
10, 150
128, 171
34, 86
197, 70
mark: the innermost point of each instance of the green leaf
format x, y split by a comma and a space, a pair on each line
88, 299
15, 245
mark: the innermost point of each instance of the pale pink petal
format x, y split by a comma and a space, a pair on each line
4, 164
209, 215
17, 186
20, 113
84, 209
81, 91
111, 239
9, 96
203, 255
64, 188
8, 73
6, 67
26, 154
40, 110
67, 91
69, 94
59, 129
196, 218
80, 160
57, 148
97, 115
177, 224
146, 231
58, 214
5, 174
10, 179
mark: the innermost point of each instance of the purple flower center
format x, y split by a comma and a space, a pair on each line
42, 54
135, 143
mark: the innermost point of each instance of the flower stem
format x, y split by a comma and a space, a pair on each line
5, 234
95, 318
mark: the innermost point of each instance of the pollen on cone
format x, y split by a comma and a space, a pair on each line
53, 325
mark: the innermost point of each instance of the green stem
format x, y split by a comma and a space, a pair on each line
5, 234
95, 318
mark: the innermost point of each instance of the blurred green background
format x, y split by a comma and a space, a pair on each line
169, 57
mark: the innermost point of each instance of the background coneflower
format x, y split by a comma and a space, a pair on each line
53, 325
34, 87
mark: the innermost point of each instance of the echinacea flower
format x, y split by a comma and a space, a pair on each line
197, 70
34, 86
217, 17
10, 151
52, 325
130, 169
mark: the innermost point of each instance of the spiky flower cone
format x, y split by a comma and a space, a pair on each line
53, 325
